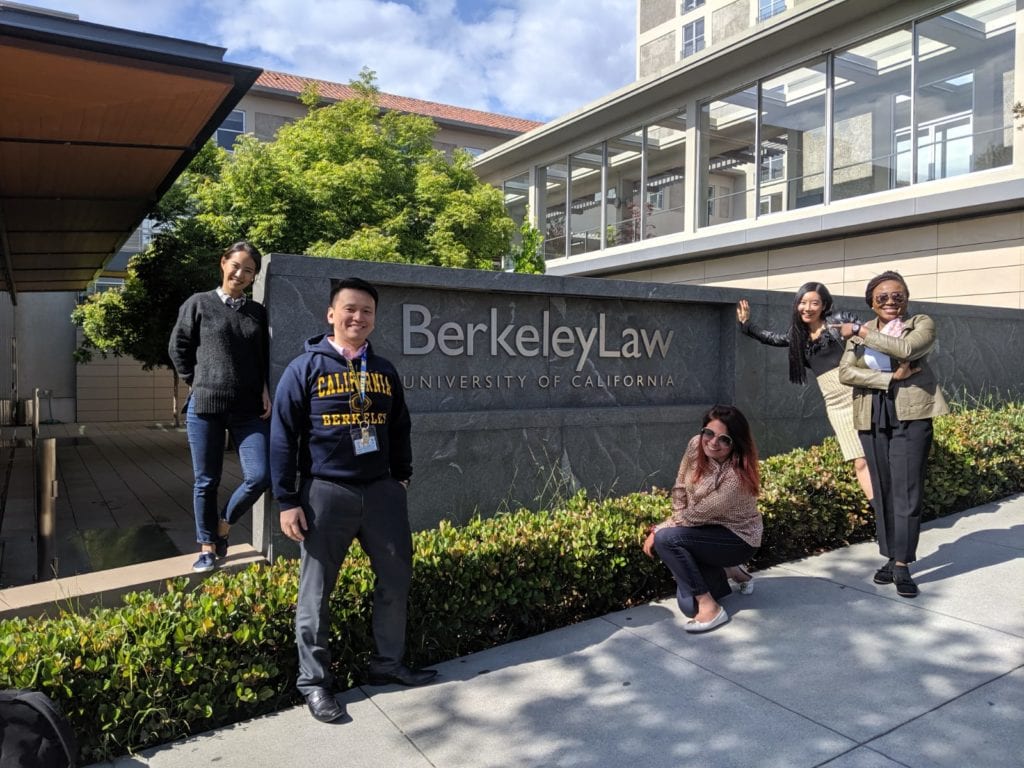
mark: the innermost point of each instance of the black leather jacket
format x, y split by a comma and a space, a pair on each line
821, 354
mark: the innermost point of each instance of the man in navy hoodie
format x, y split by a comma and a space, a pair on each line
340, 462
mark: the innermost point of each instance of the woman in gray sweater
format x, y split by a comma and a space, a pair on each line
220, 348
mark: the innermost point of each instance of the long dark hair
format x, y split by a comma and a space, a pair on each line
799, 336
744, 450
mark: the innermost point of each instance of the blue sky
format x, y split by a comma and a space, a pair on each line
528, 58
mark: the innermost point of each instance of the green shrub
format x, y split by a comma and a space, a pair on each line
163, 666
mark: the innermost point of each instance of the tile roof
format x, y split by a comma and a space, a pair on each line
282, 81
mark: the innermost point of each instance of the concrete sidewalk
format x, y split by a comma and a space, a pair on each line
819, 666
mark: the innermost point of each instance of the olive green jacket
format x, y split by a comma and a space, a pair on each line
917, 397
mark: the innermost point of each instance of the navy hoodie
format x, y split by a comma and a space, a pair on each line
311, 430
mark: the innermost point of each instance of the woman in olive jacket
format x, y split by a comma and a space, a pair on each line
895, 397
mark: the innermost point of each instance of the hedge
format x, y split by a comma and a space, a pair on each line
165, 665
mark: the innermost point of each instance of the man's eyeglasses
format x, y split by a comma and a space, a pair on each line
711, 437
884, 298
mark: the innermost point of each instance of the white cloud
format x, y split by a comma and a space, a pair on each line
530, 58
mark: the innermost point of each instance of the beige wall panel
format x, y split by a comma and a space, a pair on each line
737, 265
982, 256
655, 12
91, 392
729, 21
754, 281
789, 280
907, 264
921, 286
1002, 300
990, 229
979, 282
119, 390
657, 54
799, 255
897, 241
644, 275
679, 273
98, 368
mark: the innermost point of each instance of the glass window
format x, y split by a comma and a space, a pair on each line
871, 147
585, 200
693, 38
727, 152
232, 127
689, 5
768, 8
793, 138
622, 196
552, 180
666, 176
965, 90
517, 197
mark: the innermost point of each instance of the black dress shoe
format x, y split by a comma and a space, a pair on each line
905, 586
401, 675
323, 706
884, 574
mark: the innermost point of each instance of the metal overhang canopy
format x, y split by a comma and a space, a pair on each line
96, 124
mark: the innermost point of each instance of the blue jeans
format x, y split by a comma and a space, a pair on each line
206, 442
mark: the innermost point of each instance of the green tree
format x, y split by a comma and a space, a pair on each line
349, 180
528, 256
136, 320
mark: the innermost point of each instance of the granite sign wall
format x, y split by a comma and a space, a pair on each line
525, 388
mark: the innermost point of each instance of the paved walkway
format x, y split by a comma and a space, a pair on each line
818, 667
124, 496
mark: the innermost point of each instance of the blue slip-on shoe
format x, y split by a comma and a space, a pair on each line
204, 563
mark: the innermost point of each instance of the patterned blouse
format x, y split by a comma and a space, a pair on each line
718, 498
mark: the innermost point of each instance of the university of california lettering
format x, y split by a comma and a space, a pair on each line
494, 338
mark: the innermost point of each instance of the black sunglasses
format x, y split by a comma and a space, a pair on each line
884, 298
711, 437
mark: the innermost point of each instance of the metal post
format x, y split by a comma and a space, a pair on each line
35, 415
46, 509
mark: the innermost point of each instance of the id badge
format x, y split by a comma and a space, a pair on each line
364, 439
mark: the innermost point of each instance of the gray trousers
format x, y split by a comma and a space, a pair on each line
377, 515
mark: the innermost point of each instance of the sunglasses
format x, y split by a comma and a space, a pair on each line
884, 298
711, 437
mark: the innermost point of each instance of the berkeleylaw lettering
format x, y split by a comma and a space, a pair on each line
454, 339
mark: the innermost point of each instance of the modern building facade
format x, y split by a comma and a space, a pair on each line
830, 141
669, 31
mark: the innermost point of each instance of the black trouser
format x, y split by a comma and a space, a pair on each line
897, 456
697, 557
376, 514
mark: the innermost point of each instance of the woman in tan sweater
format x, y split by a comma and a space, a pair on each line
715, 525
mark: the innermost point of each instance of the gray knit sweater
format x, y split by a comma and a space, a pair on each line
221, 353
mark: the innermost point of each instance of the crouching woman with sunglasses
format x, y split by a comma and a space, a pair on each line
895, 397
715, 525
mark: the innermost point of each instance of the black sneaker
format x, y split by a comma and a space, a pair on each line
884, 574
905, 586
220, 546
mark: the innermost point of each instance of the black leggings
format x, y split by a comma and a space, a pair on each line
697, 557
